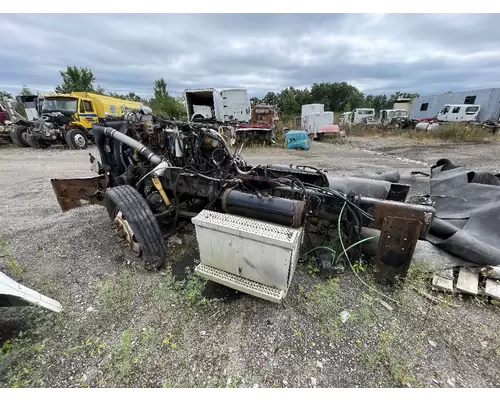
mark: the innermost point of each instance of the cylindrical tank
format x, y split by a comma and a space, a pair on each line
265, 208
427, 126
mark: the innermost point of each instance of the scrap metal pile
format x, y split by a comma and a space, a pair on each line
252, 222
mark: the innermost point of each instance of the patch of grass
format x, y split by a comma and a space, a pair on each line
188, 292
445, 133
324, 302
13, 266
124, 360
20, 360
118, 293
388, 356
91, 346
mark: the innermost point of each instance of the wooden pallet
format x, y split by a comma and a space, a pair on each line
466, 280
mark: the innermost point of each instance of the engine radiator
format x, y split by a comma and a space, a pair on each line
252, 256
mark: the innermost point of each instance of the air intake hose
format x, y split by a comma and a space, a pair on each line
98, 130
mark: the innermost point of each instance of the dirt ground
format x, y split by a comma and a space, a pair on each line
122, 326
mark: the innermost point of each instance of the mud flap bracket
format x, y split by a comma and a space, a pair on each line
71, 192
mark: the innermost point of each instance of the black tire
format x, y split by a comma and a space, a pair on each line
36, 143
16, 135
136, 212
77, 139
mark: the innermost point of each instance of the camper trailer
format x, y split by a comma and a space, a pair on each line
488, 101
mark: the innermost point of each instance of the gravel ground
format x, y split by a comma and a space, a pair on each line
122, 326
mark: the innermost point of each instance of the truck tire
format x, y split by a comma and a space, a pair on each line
76, 139
137, 226
35, 143
16, 135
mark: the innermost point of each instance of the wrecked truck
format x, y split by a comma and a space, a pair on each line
252, 222
261, 125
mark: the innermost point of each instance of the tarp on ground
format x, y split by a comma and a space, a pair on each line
467, 203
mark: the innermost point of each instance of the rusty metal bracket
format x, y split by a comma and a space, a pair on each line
71, 192
380, 209
398, 240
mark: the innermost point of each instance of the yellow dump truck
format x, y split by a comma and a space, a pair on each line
69, 117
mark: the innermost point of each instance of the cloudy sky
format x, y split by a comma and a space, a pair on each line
262, 52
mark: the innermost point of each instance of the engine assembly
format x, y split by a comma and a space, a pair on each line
252, 222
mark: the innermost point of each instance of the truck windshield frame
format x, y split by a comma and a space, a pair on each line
62, 104
397, 113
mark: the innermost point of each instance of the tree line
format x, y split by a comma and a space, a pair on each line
336, 96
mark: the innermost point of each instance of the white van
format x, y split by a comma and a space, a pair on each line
363, 116
459, 113
344, 118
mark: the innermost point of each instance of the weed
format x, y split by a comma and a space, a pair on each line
123, 358
193, 291
169, 342
324, 302
388, 355
118, 293
92, 346
13, 266
188, 292
6, 347
359, 266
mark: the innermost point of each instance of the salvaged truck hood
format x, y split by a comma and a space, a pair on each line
13, 294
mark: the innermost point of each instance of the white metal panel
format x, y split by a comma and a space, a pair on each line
239, 283
205, 111
308, 109
236, 103
218, 106
216, 102
20, 295
314, 121
251, 249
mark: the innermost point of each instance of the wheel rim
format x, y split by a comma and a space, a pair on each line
126, 233
24, 135
79, 140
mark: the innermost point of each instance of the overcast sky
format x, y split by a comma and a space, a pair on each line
261, 52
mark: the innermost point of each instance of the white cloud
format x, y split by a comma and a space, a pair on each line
377, 52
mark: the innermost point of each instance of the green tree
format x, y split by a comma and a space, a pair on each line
270, 98
76, 79
254, 101
379, 102
25, 91
291, 99
5, 96
133, 97
336, 96
163, 104
100, 90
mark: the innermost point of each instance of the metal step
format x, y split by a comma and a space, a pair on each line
242, 284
